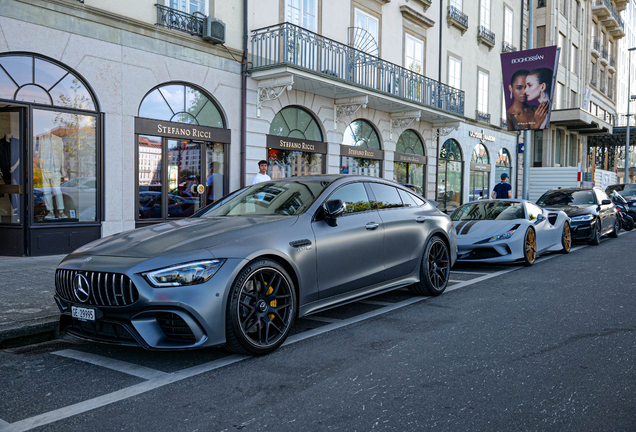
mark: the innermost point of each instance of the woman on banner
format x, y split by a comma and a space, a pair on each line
517, 89
538, 87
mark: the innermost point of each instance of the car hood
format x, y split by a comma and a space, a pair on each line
470, 231
575, 210
185, 235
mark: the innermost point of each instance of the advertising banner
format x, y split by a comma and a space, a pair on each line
529, 80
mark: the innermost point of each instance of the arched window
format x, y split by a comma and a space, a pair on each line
410, 142
32, 79
181, 103
480, 154
449, 177
409, 163
361, 134
295, 122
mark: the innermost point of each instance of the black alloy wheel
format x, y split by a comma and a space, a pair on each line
435, 269
616, 229
261, 309
596, 240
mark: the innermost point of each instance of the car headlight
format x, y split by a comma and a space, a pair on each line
503, 236
584, 218
185, 274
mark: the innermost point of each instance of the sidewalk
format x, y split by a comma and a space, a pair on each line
28, 312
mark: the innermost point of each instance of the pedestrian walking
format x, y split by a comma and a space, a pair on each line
502, 190
261, 176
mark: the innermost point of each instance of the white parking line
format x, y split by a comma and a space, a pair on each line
117, 365
165, 379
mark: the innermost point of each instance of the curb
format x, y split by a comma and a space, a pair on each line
30, 332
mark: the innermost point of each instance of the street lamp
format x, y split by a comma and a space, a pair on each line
629, 99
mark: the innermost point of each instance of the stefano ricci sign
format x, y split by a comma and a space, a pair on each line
182, 131
295, 144
359, 152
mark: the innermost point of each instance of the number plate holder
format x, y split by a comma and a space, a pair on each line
83, 314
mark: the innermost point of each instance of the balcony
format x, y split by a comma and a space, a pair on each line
612, 64
486, 37
482, 116
581, 121
621, 5
602, 8
315, 64
457, 18
604, 56
618, 32
508, 47
611, 21
596, 47
176, 20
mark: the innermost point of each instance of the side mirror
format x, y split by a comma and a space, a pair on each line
540, 218
334, 209
606, 202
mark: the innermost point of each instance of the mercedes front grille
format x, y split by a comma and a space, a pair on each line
105, 289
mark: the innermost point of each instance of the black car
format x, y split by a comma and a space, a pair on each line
627, 191
592, 212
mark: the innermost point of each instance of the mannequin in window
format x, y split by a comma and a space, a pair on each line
51, 163
9, 170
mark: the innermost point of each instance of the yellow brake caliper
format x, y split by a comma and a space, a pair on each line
272, 303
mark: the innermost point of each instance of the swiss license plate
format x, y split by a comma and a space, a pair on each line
84, 314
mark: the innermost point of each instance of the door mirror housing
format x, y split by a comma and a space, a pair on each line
334, 209
606, 202
540, 218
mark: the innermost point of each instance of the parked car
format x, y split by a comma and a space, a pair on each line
628, 192
508, 231
239, 272
591, 211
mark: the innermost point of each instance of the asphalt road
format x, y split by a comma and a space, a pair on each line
548, 348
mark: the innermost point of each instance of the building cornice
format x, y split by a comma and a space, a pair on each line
414, 16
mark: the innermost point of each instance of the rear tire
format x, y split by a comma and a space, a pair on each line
434, 270
530, 247
596, 240
628, 223
566, 238
617, 228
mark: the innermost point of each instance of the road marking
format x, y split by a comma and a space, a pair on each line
375, 303
166, 379
322, 319
3, 424
117, 365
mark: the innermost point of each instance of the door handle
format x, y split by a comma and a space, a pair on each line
420, 219
372, 225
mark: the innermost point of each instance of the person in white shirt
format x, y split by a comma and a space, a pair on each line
261, 176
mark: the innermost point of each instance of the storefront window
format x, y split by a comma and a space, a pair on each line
450, 172
301, 127
362, 135
64, 167
150, 199
183, 104
479, 173
503, 165
409, 173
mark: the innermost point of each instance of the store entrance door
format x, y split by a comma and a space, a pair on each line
12, 182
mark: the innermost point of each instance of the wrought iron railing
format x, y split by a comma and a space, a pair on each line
612, 61
458, 15
602, 87
177, 20
508, 47
290, 45
482, 116
504, 123
606, 3
610, 92
596, 44
486, 34
603, 52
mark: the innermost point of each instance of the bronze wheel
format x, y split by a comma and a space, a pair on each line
566, 238
530, 247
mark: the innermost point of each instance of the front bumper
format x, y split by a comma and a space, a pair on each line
160, 318
583, 231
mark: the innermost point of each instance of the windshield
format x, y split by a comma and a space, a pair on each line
501, 210
287, 198
624, 190
567, 198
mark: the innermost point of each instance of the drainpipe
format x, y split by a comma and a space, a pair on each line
244, 96
439, 68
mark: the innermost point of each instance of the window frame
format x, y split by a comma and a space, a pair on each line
452, 59
357, 11
206, 6
485, 13
480, 95
301, 13
509, 19
415, 40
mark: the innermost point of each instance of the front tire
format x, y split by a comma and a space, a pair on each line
566, 238
261, 309
596, 240
434, 270
530, 247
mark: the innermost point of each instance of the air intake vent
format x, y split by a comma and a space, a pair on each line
174, 327
213, 30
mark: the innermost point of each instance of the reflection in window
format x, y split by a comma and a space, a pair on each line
354, 196
359, 166
361, 134
150, 158
480, 154
36, 80
385, 196
64, 167
410, 142
449, 187
181, 103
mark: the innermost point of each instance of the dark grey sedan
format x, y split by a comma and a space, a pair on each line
239, 272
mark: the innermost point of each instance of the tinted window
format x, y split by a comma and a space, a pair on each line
565, 197
624, 190
386, 196
499, 210
354, 195
418, 200
533, 211
407, 199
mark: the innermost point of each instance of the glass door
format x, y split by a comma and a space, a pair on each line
12, 182
186, 192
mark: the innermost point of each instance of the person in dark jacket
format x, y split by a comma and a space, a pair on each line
502, 190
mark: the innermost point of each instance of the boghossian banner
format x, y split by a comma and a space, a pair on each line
529, 80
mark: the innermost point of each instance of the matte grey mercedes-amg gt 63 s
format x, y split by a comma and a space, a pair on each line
238, 272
